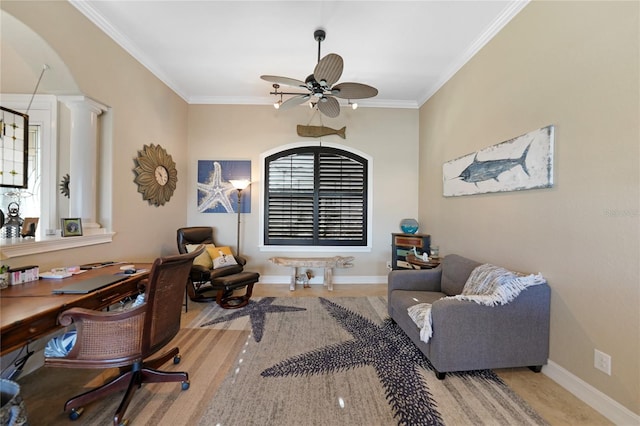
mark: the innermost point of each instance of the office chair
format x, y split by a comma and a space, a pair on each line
126, 339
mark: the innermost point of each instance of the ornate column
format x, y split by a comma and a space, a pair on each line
83, 166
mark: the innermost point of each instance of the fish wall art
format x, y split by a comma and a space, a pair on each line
524, 162
319, 131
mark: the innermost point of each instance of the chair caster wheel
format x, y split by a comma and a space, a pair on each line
177, 359
185, 385
75, 414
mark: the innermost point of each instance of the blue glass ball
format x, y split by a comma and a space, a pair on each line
409, 226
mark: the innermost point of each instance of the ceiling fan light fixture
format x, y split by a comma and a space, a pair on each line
277, 104
322, 93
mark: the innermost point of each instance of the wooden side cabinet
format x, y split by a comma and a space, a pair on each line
401, 244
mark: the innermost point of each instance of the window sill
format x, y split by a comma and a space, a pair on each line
17, 247
316, 249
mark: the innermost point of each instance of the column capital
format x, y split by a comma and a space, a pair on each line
80, 101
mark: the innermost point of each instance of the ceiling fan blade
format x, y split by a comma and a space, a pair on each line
353, 91
294, 101
329, 69
329, 106
283, 80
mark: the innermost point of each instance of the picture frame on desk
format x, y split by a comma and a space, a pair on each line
71, 227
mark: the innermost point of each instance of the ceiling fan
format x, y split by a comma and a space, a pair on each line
319, 86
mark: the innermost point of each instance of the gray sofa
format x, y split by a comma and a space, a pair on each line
467, 335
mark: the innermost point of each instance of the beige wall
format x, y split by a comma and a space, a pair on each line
573, 65
143, 111
238, 132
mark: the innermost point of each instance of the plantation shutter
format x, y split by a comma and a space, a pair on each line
315, 196
340, 198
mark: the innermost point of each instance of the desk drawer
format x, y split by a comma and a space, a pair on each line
29, 331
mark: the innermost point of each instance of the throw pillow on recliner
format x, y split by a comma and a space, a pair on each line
222, 257
204, 259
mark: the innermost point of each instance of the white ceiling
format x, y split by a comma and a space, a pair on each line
213, 52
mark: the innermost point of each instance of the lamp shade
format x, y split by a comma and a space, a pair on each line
240, 183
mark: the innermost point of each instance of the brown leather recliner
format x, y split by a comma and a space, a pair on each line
206, 285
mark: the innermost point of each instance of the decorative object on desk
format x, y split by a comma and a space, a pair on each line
71, 227
13, 225
64, 185
216, 193
239, 185
156, 174
319, 131
29, 227
435, 252
525, 162
14, 146
409, 226
24, 274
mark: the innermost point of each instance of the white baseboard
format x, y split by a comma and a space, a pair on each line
600, 402
351, 279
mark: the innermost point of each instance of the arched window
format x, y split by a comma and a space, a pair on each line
315, 196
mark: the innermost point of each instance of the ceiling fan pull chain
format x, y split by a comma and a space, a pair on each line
315, 111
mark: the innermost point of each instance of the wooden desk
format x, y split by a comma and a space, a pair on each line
30, 311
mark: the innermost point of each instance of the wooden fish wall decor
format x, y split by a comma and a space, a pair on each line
319, 131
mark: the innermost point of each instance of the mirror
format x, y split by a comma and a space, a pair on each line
14, 148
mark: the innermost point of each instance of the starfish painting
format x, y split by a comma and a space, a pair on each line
384, 347
216, 191
257, 312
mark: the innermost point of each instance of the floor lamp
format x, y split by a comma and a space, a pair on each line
239, 185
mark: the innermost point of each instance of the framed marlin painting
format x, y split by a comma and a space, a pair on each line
525, 162
216, 194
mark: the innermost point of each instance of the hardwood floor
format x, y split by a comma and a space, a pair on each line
46, 389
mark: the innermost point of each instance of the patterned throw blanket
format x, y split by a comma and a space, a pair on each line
487, 285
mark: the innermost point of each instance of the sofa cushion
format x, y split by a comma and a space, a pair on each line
403, 299
455, 271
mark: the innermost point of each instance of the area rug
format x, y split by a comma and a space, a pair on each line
342, 361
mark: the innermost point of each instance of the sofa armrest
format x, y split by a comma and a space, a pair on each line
467, 335
415, 280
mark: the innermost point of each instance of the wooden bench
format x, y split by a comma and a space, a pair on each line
328, 263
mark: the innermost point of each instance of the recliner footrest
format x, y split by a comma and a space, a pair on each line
233, 282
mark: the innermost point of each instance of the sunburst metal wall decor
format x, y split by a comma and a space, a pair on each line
64, 185
156, 174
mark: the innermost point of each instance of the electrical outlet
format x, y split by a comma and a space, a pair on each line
602, 361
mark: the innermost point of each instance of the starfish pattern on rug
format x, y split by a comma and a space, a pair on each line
257, 313
386, 348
